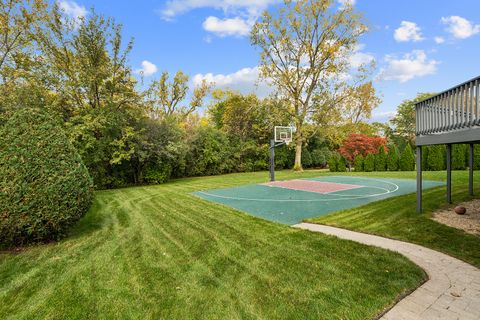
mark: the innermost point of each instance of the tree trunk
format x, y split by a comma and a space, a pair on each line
298, 152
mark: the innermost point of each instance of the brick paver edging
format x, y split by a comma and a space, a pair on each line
453, 288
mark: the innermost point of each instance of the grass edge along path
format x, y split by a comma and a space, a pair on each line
160, 252
397, 218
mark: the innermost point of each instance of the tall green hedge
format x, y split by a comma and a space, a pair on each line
369, 163
44, 186
381, 160
407, 159
359, 161
333, 163
425, 154
392, 159
436, 158
476, 157
459, 159
342, 165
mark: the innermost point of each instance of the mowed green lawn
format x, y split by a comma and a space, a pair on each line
161, 253
397, 217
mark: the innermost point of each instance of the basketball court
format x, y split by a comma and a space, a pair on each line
291, 201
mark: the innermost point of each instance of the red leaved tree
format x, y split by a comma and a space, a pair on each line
361, 144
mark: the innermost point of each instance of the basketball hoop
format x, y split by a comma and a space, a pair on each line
283, 134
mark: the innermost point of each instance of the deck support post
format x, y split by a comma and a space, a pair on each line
449, 173
470, 169
419, 179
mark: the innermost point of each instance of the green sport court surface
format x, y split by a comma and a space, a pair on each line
290, 202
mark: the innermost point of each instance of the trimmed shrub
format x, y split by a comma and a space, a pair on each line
459, 159
381, 160
44, 186
369, 163
435, 158
392, 159
342, 165
333, 163
359, 160
407, 159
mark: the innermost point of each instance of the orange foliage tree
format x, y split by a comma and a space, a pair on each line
361, 144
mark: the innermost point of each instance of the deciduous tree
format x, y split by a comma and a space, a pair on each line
359, 144
305, 47
404, 119
165, 97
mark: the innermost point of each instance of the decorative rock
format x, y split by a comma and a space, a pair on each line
460, 210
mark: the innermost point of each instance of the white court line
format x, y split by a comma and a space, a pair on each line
352, 197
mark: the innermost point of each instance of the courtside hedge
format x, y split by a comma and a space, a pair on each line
44, 186
407, 159
381, 160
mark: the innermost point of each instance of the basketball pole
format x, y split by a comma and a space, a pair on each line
272, 160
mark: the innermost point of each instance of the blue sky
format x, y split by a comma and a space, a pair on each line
418, 45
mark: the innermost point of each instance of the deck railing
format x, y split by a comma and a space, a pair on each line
455, 109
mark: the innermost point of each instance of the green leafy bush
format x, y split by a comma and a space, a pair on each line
209, 153
369, 163
407, 159
342, 165
381, 160
157, 174
459, 159
44, 186
392, 159
476, 157
359, 160
436, 158
319, 158
283, 157
333, 163
306, 158
425, 153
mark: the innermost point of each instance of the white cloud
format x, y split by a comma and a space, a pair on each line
411, 65
228, 27
173, 8
240, 15
439, 40
72, 9
147, 68
408, 31
245, 81
359, 58
460, 27
344, 3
